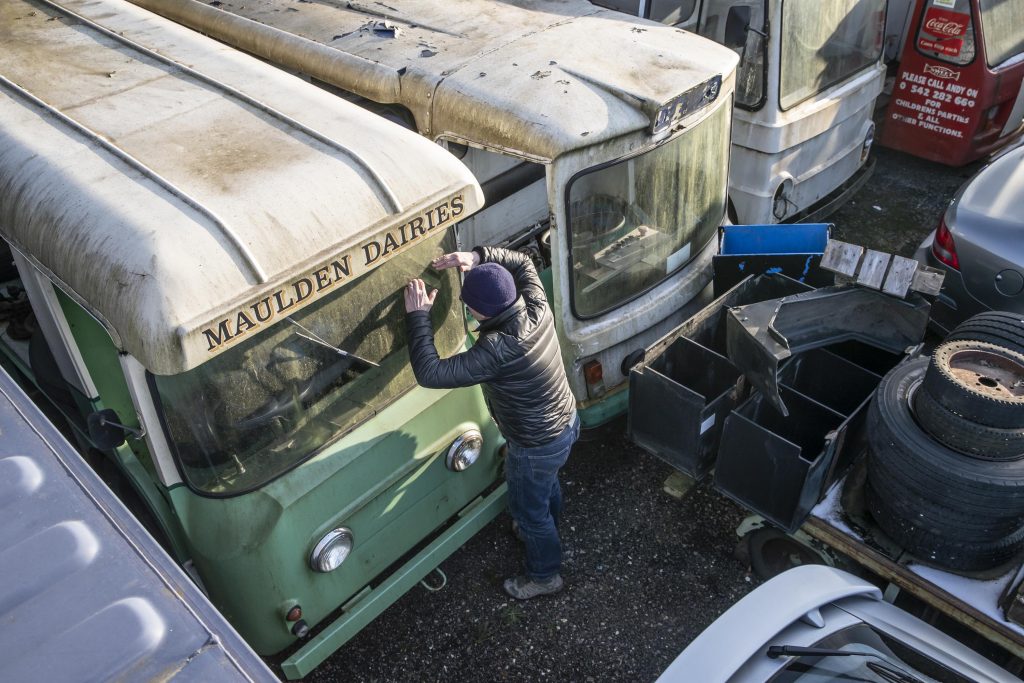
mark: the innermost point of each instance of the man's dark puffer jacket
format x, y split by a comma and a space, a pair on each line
516, 358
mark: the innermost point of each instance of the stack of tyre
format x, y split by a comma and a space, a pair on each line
945, 476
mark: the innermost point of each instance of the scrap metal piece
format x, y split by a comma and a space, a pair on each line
842, 258
928, 280
901, 276
872, 269
760, 336
894, 275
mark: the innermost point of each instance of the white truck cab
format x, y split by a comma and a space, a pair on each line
806, 85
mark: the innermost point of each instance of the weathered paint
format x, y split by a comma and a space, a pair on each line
533, 79
157, 240
816, 145
386, 481
369, 604
540, 81
161, 197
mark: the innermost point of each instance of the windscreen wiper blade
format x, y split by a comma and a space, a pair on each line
886, 669
313, 337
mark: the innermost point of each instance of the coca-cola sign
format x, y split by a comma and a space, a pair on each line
943, 23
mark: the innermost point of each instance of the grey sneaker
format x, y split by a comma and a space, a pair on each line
525, 588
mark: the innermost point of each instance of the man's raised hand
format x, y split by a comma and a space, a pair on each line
417, 298
463, 260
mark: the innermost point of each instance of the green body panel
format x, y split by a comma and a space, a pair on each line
369, 606
101, 360
547, 279
386, 481
132, 457
608, 407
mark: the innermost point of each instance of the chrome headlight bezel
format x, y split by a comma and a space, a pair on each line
324, 557
464, 451
869, 140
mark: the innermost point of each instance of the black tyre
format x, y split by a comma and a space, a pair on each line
1001, 328
773, 552
937, 546
962, 435
958, 525
900, 449
981, 382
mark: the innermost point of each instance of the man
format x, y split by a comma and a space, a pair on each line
517, 360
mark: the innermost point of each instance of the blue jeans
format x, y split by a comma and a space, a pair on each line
535, 498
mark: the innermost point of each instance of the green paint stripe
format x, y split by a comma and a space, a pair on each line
605, 409
368, 608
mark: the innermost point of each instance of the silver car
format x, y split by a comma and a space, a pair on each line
979, 243
815, 624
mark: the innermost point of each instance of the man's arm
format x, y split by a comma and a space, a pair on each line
519, 264
433, 372
465, 369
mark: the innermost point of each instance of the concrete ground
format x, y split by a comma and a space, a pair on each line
645, 572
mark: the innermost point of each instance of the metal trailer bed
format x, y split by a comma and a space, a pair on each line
973, 600
86, 594
803, 474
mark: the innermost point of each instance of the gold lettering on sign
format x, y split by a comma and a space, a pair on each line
319, 281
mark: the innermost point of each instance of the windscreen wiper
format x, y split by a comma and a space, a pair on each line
313, 337
885, 668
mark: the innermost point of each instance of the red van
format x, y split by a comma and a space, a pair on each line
958, 94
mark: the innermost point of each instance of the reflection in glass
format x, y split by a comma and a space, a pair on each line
635, 222
825, 42
881, 656
256, 410
750, 74
1002, 22
947, 32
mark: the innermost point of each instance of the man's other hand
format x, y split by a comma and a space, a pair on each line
463, 260
416, 296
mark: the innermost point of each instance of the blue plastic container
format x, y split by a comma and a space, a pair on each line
794, 250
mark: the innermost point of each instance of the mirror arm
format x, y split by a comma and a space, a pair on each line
136, 433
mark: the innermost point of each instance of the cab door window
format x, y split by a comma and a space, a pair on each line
946, 32
751, 73
671, 12
1001, 25
824, 43
627, 6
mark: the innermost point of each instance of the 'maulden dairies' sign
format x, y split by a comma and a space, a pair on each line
318, 282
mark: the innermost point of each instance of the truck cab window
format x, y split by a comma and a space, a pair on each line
257, 410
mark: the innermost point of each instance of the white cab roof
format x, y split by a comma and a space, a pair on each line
536, 78
169, 183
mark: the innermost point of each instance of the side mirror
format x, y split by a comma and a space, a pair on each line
737, 23
106, 430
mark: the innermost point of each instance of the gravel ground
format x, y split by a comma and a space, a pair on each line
645, 572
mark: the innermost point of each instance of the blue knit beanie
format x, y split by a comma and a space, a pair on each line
488, 289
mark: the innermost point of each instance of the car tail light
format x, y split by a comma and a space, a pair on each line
593, 373
943, 246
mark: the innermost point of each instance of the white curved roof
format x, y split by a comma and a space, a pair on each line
168, 185
534, 77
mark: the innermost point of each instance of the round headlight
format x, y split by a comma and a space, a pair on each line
464, 450
331, 551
